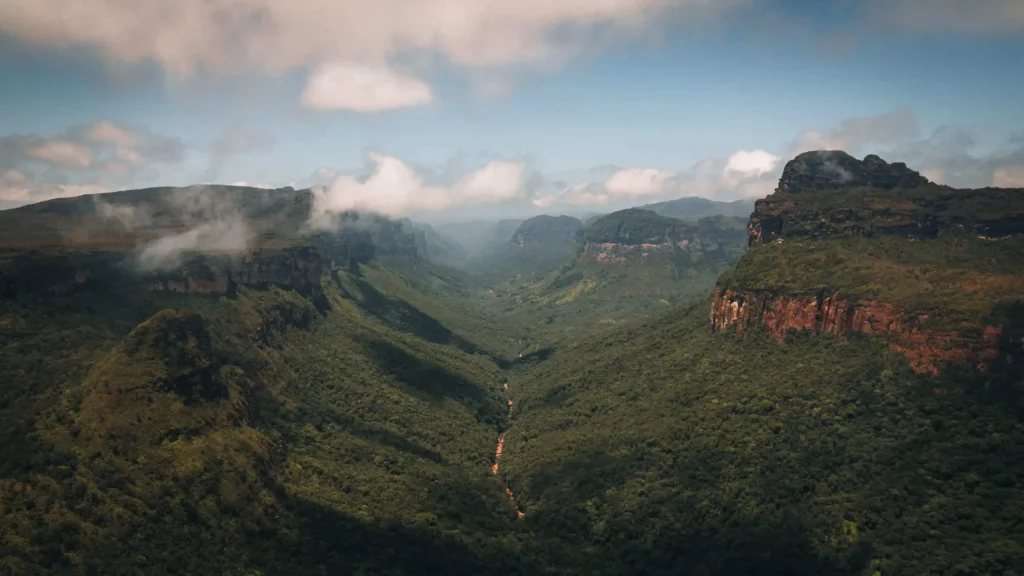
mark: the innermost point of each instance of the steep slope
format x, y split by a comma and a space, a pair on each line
628, 264
537, 246
849, 246
663, 448
883, 437
284, 410
480, 236
439, 248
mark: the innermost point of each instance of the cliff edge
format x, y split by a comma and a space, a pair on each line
864, 246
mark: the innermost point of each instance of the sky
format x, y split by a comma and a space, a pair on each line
448, 110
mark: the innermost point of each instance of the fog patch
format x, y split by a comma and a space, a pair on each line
213, 224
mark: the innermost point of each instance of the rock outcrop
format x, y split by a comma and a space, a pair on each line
831, 193
298, 268
927, 349
827, 195
832, 170
635, 234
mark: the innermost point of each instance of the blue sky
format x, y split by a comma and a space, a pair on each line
515, 108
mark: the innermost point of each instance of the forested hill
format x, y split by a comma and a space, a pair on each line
224, 381
853, 405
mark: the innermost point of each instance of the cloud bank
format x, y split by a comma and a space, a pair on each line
396, 189
352, 46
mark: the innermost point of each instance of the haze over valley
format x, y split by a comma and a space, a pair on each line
640, 287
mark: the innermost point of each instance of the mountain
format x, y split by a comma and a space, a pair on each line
852, 405
537, 246
479, 237
631, 263
845, 246
696, 208
439, 248
290, 404
220, 381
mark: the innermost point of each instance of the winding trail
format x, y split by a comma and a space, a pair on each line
497, 456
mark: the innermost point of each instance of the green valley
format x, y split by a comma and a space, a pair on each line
223, 380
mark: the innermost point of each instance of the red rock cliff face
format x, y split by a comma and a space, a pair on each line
927, 350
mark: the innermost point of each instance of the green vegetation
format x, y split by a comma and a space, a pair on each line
247, 433
627, 264
537, 246
331, 404
968, 277
696, 208
661, 448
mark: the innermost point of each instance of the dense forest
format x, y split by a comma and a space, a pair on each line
358, 399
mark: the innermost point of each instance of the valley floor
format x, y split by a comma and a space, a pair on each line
419, 423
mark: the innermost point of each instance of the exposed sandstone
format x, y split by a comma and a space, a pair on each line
927, 349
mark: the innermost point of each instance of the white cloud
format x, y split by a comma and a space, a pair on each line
586, 195
226, 236
396, 189
545, 200
277, 36
63, 153
244, 183
13, 177
633, 182
82, 160
362, 88
751, 163
1008, 178
184, 36
853, 134
27, 192
106, 131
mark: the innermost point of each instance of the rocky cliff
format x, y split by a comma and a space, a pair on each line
927, 349
829, 193
876, 249
298, 268
39, 275
636, 234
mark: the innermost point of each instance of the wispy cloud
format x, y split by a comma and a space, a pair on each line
214, 225
88, 159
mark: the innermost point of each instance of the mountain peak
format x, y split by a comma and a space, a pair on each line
833, 169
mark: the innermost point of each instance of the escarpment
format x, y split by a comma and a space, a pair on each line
847, 246
822, 194
298, 268
635, 234
926, 347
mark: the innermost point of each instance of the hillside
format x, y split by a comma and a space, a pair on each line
440, 248
279, 408
479, 237
853, 404
625, 265
209, 381
537, 246
663, 448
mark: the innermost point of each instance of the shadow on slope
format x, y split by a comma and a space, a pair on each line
434, 380
399, 314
